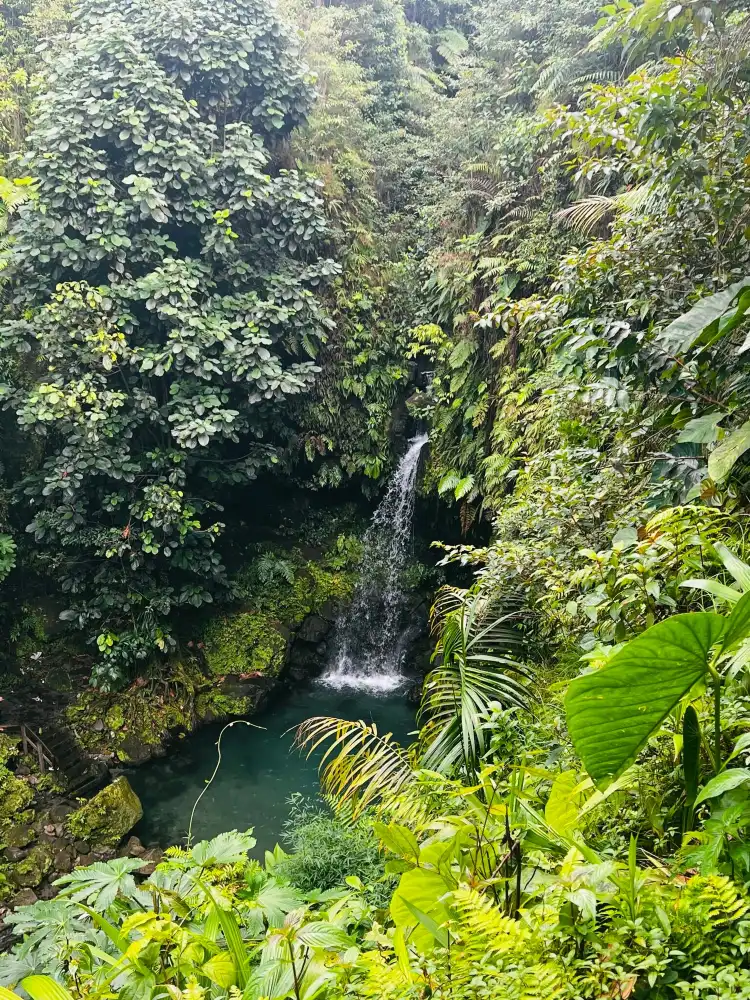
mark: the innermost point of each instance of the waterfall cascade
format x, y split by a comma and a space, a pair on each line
369, 638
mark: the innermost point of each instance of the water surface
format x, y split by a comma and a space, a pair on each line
260, 768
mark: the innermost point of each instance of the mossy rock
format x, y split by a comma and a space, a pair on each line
248, 642
107, 817
115, 717
30, 872
16, 796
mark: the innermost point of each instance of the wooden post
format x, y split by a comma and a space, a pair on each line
24, 739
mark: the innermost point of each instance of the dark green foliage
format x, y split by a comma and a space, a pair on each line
167, 274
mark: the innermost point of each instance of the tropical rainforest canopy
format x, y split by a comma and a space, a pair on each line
247, 251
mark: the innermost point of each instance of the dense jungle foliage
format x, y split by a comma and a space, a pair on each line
246, 250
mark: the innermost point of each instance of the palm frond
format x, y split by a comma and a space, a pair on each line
361, 768
589, 213
475, 640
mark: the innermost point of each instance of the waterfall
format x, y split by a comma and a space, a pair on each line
369, 639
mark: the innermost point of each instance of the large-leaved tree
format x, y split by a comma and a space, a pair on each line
164, 300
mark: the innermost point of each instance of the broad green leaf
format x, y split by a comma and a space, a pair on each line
702, 430
441, 934
691, 748
741, 746
220, 970
44, 988
563, 804
738, 569
6, 994
321, 934
723, 782
738, 623
424, 889
714, 588
226, 849
398, 839
684, 332
723, 458
613, 711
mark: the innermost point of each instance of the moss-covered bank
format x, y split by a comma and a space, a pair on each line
286, 600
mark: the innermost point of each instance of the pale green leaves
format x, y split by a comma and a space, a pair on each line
613, 712
723, 782
708, 320
722, 459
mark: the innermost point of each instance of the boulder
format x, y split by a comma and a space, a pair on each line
14, 854
29, 873
60, 812
19, 836
109, 816
26, 897
82, 847
133, 750
314, 629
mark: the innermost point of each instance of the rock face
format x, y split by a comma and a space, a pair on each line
109, 816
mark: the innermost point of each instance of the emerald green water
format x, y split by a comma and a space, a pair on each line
260, 769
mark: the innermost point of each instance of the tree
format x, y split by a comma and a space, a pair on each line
164, 288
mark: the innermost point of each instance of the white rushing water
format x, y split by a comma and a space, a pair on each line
369, 639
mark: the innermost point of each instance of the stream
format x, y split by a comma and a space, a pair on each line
365, 679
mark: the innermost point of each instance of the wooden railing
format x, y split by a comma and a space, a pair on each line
33, 744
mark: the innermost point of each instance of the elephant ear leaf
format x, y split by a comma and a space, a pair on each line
612, 712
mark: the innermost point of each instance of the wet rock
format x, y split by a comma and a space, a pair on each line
60, 812
26, 897
81, 847
47, 891
19, 836
134, 848
84, 860
14, 854
152, 857
132, 750
29, 873
62, 860
103, 853
109, 816
313, 629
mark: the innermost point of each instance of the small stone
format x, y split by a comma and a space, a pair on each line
46, 891
49, 829
84, 860
22, 771
98, 726
58, 829
26, 897
134, 848
62, 861
103, 853
81, 847
152, 857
